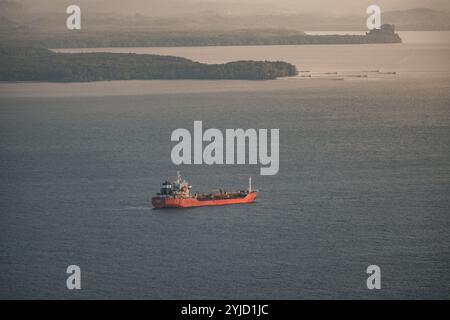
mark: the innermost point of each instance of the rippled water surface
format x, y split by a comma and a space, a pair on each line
364, 179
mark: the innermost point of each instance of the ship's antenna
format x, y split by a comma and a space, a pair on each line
250, 184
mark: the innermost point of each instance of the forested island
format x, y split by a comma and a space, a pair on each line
26, 34
105, 39
21, 63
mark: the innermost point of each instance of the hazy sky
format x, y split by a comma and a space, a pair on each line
345, 6
164, 7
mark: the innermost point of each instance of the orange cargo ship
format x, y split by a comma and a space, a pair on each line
177, 195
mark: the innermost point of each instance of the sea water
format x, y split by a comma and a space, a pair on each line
364, 179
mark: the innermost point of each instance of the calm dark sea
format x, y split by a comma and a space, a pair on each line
364, 179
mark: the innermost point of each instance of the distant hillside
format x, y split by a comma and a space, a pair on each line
10, 12
161, 8
418, 19
84, 39
9, 7
103, 16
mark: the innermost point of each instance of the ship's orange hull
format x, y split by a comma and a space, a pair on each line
169, 202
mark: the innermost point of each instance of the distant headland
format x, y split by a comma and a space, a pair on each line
40, 64
198, 38
25, 60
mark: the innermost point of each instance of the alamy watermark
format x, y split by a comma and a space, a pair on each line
74, 280
73, 22
374, 280
374, 20
238, 143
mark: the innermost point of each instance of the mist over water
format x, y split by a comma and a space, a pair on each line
364, 179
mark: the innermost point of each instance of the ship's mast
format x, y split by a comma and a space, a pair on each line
250, 184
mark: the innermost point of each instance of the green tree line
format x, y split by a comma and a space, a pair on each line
21, 63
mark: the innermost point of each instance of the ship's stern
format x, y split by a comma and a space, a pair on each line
159, 202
